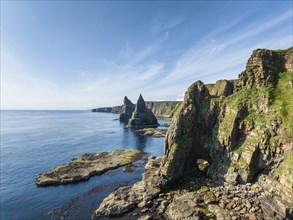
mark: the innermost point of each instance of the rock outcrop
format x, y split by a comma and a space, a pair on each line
155, 132
221, 88
245, 137
137, 197
127, 110
87, 165
142, 117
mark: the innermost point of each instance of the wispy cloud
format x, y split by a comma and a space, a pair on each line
162, 23
220, 54
212, 59
126, 51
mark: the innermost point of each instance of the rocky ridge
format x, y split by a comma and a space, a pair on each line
245, 135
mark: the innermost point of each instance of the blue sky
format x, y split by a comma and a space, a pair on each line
86, 54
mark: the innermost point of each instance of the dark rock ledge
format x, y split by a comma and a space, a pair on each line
87, 165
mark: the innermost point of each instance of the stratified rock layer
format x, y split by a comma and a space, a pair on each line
87, 165
127, 110
142, 116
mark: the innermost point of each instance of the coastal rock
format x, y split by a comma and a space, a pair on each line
125, 199
142, 116
185, 138
127, 110
151, 132
221, 88
263, 65
87, 165
244, 138
116, 109
163, 109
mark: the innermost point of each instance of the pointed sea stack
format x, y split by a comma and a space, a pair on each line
127, 110
142, 117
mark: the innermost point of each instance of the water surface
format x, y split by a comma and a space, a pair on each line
36, 141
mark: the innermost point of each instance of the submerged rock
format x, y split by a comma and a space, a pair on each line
87, 165
142, 116
151, 132
127, 110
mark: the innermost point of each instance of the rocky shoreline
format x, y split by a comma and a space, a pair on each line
241, 130
192, 197
87, 165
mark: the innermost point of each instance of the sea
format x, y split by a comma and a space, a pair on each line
35, 141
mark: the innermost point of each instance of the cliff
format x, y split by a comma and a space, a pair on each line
161, 109
245, 136
228, 150
116, 109
103, 109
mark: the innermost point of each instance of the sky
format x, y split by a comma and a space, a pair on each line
88, 54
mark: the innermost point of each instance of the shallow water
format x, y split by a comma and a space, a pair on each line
35, 141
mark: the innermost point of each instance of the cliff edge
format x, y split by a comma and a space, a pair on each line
242, 130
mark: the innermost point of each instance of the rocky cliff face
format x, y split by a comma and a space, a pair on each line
244, 136
142, 116
163, 109
127, 110
243, 132
221, 87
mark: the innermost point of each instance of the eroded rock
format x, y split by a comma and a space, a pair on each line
127, 110
87, 165
139, 195
142, 117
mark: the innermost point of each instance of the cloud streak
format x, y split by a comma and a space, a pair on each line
154, 70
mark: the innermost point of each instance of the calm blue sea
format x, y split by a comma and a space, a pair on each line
36, 141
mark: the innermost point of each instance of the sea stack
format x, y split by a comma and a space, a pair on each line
142, 117
127, 110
